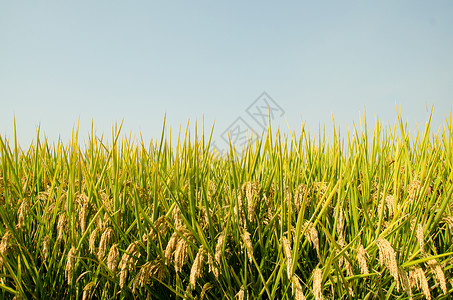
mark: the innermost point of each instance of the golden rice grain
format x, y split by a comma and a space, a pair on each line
297, 289
420, 237
317, 284
112, 258
171, 246
437, 269
92, 240
4, 246
289, 259
311, 234
248, 245
362, 256
45, 247
87, 290
70, 263
143, 277
22, 213
106, 238
181, 254
61, 225
418, 279
197, 268
387, 256
127, 263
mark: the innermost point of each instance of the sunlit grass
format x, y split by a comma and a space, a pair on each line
366, 216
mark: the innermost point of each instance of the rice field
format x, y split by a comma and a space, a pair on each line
367, 215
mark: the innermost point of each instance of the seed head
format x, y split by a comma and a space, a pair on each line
311, 234
181, 255
437, 269
106, 237
420, 237
45, 247
92, 240
297, 289
112, 258
317, 284
22, 213
289, 259
171, 246
197, 267
362, 258
70, 263
61, 224
87, 290
387, 256
248, 245
418, 279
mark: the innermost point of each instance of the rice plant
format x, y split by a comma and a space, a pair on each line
365, 216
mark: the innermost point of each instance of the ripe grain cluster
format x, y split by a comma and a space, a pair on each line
365, 216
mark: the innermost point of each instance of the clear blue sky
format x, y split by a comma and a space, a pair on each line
136, 61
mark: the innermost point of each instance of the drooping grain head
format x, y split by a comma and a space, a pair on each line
92, 240
45, 247
171, 246
297, 289
22, 213
143, 277
197, 268
87, 290
420, 237
362, 256
405, 282
418, 279
4, 246
317, 284
61, 225
106, 238
248, 245
437, 269
288, 253
113, 258
387, 256
311, 234
181, 255
70, 263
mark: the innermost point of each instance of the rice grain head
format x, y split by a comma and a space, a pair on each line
87, 290
317, 284
311, 234
197, 268
106, 238
362, 256
61, 225
143, 277
437, 269
420, 237
22, 214
171, 246
387, 257
181, 254
70, 263
248, 245
92, 240
4, 246
405, 282
297, 289
45, 247
113, 258
289, 259
127, 263
418, 279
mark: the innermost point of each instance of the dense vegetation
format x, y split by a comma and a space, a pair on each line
366, 216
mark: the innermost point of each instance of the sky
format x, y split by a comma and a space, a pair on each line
138, 62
